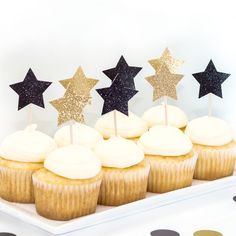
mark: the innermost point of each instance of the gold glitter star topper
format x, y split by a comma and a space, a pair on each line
82, 84
76, 97
165, 79
166, 58
164, 83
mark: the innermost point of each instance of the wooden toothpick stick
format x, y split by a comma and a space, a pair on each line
30, 115
166, 113
115, 123
209, 104
71, 132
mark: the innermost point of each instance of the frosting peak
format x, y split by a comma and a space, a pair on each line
156, 116
119, 152
31, 128
27, 145
165, 141
210, 131
82, 134
127, 126
73, 162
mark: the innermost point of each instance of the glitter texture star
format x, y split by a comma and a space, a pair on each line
164, 83
128, 73
210, 80
81, 83
167, 59
76, 97
30, 90
70, 107
116, 96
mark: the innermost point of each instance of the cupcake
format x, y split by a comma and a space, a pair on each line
68, 185
82, 135
21, 154
156, 116
129, 127
172, 160
213, 141
125, 172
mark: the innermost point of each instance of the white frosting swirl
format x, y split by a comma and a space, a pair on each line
27, 145
165, 141
119, 152
210, 131
73, 162
82, 135
127, 126
156, 116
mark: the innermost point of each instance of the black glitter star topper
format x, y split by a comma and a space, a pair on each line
128, 72
30, 90
116, 97
210, 82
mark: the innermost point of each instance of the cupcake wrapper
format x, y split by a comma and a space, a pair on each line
214, 163
65, 202
121, 186
170, 174
16, 185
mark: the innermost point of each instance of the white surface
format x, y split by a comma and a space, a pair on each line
106, 216
55, 37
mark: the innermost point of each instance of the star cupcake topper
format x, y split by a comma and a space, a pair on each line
165, 80
70, 107
128, 72
166, 58
80, 82
117, 96
210, 82
77, 95
30, 91
164, 83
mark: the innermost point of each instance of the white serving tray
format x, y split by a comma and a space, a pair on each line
27, 213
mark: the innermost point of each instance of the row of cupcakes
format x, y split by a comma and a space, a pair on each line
69, 181
212, 137
116, 170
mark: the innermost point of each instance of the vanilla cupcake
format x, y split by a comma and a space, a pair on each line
172, 160
82, 135
21, 154
129, 127
213, 140
125, 172
68, 185
156, 116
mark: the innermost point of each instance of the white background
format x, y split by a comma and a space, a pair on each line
54, 37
